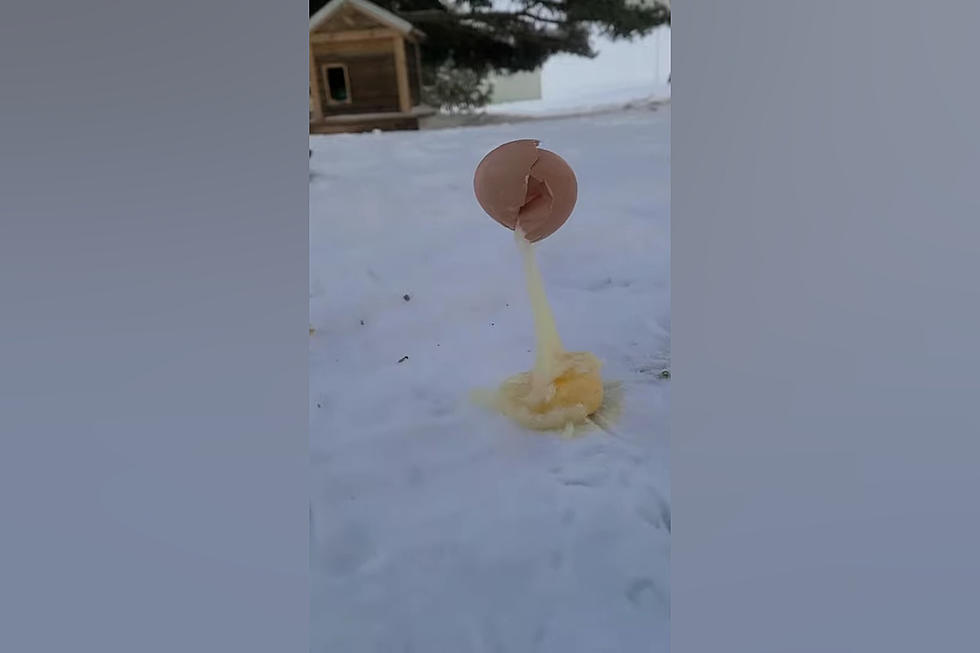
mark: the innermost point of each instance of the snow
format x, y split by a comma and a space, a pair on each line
437, 526
623, 72
618, 63
593, 100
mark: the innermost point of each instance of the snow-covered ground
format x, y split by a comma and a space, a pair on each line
622, 72
437, 526
622, 62
593, 99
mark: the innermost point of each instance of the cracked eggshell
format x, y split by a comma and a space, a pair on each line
519, 184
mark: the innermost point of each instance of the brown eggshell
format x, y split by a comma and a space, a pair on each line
519, 184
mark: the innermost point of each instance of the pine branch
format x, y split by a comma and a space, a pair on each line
554, 21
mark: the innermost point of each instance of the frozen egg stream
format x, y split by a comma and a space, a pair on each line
563, 388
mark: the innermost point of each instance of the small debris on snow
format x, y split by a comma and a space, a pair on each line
403, 359
665, 374
362, 322
406, 297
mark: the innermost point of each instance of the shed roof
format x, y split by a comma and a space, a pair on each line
381, 15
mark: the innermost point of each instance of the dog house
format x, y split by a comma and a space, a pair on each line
365, 69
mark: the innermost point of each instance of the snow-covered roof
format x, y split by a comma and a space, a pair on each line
374, 11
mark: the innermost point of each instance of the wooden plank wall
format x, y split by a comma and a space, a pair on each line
411, 58
373, 78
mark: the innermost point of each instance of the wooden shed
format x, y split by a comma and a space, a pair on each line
365, 69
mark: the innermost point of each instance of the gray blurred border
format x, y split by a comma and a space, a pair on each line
153, 327
825, 321
153, 358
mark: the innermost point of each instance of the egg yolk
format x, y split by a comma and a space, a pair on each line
544, 404
564, 388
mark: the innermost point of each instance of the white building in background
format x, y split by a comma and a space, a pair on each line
515, 87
